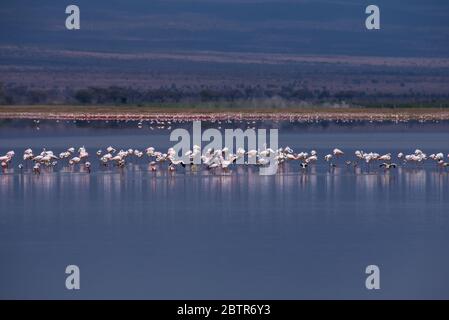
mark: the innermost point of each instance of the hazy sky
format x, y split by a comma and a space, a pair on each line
408, 28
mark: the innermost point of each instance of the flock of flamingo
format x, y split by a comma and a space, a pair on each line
215, 159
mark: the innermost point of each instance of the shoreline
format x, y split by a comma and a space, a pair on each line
184, 114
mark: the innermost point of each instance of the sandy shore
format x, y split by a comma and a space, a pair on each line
180, 114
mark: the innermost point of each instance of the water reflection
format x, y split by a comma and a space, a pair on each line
209, 234
133, 183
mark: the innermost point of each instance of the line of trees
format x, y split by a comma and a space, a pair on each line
21, 95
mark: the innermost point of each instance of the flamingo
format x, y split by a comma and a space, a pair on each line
149, 151
83, 154
385, 157
251, 153
388, 165
328, 159
337, 152
312, 158
37, 168
74, 160
110, 149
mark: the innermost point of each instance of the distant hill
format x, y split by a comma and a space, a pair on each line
324, 27
270, 52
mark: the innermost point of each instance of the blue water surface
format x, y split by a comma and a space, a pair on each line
299, 234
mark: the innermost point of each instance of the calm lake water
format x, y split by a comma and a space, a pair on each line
298, 234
